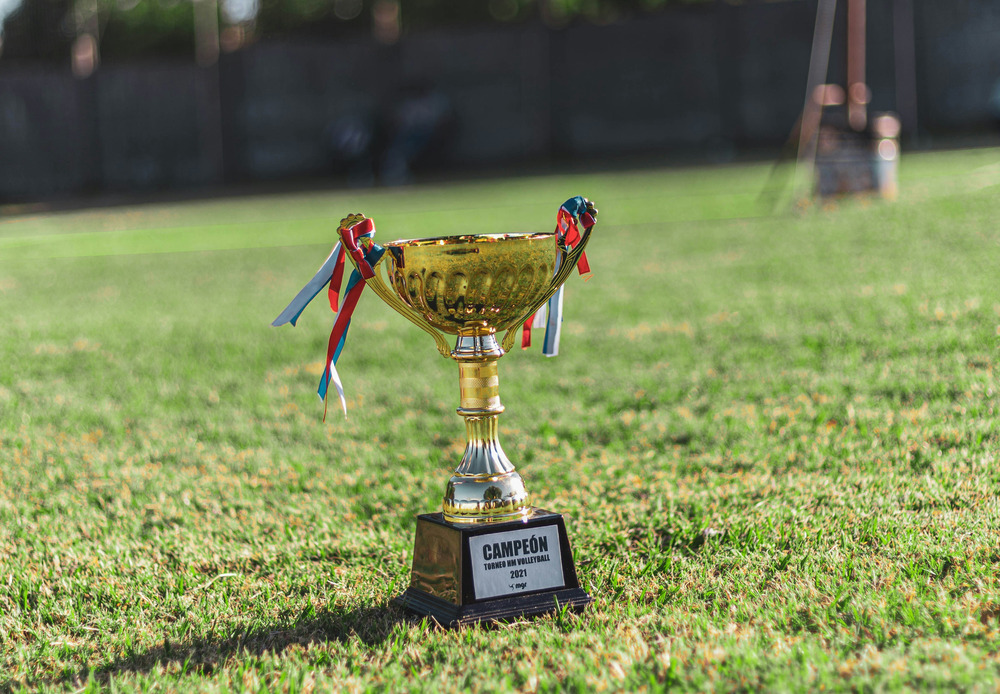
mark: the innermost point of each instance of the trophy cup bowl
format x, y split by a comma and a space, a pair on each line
489, 554
475, 284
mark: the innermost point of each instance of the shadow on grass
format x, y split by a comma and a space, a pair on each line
371, 625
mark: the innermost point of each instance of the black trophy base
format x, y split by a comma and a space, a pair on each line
466, 573
500, 609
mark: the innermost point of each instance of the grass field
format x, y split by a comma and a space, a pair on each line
774, 439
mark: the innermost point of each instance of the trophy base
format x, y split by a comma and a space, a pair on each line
484, 572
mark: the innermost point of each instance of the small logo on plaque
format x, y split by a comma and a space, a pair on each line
515, 562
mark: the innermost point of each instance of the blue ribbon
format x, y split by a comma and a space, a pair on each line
575, 205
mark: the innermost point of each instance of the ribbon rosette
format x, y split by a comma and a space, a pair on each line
572, 213
356, 232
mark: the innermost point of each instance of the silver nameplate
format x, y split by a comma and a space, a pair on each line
517, 561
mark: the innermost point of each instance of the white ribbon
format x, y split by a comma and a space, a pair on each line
309, 292
539, 320
335, 380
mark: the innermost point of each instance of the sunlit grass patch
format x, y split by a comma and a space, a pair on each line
774, 439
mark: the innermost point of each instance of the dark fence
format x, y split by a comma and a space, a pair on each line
704, 80
47, 142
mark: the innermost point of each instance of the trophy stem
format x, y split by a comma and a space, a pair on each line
485, 486
483, 454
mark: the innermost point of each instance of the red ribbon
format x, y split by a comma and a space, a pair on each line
349, 241
363, 227
349, 237
335, 282
339, 326
567, 229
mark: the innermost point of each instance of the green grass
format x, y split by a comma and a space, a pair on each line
774, 439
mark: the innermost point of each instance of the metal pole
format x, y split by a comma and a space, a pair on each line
905, 59
206, 32
819, 60
857, 90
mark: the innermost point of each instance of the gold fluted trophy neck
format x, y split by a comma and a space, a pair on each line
473, 286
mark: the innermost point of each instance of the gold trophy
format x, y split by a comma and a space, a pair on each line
489, 554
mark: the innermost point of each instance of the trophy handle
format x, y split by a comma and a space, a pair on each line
567, 261
385, 292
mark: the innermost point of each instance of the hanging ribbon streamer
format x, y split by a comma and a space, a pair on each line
540, 318
553, 327
323, 276
572, 213
537, 322
356, 233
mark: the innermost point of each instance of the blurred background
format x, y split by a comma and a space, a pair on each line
103, 97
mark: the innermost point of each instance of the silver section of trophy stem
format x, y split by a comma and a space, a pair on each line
483, 454
476, 347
